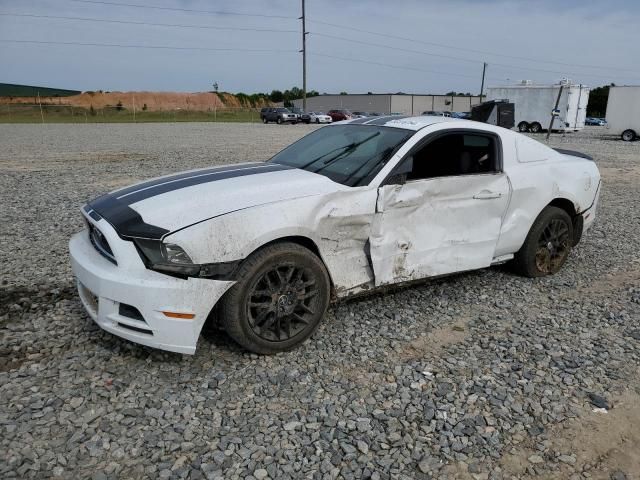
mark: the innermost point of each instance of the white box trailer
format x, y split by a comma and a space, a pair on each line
623, 112
534, 104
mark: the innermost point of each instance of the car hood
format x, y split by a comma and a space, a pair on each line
157, 207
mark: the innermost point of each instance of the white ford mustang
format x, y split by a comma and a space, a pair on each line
263, 247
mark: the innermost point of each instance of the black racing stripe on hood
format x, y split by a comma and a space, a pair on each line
115, 207
170, 184
124, 219
178, 176
381, 121
358, 121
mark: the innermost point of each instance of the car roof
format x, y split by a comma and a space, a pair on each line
409, 123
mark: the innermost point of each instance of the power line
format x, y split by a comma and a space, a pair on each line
442, 45
128, 22
390, 47
188, 10
158, 47
389, 65
420, 52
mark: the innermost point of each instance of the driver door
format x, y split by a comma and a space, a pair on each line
446, 215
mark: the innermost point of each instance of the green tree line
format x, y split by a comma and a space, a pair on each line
276, 96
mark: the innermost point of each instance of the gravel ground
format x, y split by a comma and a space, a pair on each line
482, 375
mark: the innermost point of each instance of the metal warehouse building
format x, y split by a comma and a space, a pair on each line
386, 103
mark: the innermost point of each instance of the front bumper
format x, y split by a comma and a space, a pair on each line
128, 300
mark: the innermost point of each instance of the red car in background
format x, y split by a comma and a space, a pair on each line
337, 115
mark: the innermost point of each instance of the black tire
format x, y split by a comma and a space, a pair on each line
628, 135
279, 121
535, 127
281, 295
523, 127
265, 121
317, 120
547, 245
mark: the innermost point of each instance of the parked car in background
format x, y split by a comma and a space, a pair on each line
593, 121
339, 115
263, 112
298, 112
435, 113
349, 208
280, 115
463, 115
359, 114
315, 117
375, 114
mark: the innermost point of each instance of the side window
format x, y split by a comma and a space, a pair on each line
455, 154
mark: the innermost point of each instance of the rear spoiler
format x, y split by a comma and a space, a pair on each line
573, 153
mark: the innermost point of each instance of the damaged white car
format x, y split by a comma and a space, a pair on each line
264, 247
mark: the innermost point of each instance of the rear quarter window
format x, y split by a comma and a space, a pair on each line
530, 150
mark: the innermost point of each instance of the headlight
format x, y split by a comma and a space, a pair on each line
171, 259
175, 254
167, 258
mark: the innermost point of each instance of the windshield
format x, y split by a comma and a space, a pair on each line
348, 154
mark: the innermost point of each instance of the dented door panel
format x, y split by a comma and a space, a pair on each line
437, 226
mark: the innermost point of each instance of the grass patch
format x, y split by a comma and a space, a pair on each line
65, 114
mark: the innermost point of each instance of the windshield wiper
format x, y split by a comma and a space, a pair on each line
348, 149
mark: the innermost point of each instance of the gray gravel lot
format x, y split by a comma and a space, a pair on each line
481, 375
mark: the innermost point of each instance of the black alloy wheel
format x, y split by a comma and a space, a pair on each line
282, 302
548, 244
554, 245
281, 295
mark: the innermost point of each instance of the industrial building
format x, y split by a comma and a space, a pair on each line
386, 103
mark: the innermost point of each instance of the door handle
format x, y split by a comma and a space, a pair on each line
487, 195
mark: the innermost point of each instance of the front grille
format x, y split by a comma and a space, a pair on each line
100, 243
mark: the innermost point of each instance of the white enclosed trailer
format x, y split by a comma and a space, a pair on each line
623, 112
534, 104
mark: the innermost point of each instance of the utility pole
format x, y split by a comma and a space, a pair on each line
484, 70
304, 61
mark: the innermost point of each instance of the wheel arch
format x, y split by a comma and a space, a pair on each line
303, 241
573, 211
564, 204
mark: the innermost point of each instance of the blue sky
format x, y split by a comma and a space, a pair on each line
423, 46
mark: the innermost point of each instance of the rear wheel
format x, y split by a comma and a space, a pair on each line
628, 135
317, 120
281, 295
279, 121
523, 127
535, 127
265, 121
547, 245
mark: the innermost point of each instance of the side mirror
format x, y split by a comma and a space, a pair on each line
399, 175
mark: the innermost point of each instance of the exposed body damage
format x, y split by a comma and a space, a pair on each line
379, 233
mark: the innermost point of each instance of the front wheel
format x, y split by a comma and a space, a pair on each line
279, 121
523, 127
628, 135
547, 245
535, 127
280, 297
